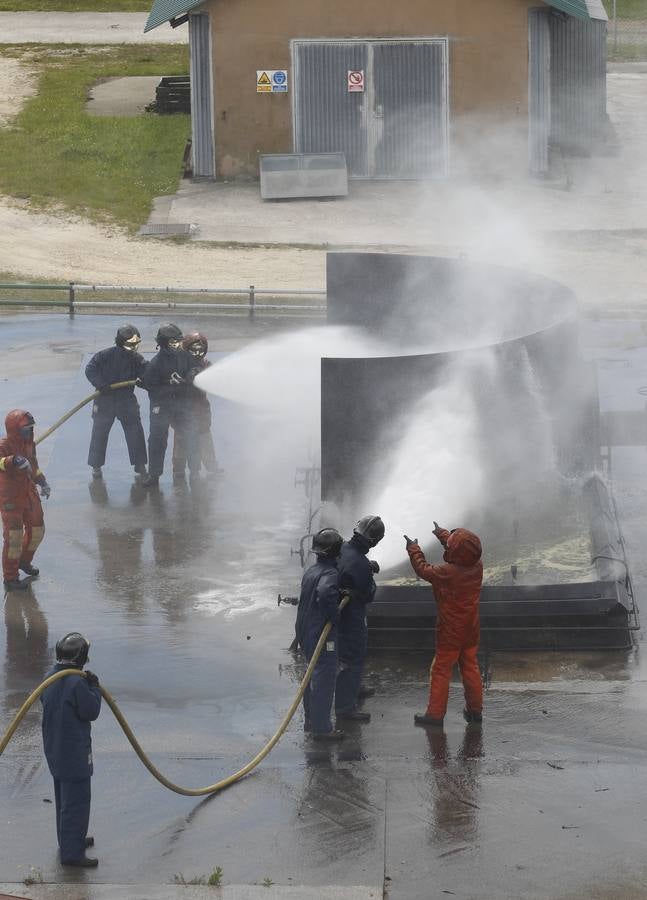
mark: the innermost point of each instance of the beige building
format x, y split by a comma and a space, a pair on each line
403, 89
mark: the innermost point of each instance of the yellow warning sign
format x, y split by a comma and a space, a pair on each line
263, 82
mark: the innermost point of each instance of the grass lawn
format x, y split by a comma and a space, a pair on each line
75, 5
627, 9
106, 168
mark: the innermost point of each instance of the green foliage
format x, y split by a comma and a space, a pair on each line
267, 881
215, 879
108, 168
75, 5
627, 9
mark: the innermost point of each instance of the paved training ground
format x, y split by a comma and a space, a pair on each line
544, 803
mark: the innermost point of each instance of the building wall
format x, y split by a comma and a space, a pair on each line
488, 63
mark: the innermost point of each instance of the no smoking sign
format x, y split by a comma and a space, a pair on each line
355, 81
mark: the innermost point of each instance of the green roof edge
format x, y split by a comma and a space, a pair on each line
165, 10
581, 9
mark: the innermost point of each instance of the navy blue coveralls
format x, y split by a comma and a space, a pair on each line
355, 576
170, 407
108, 367
318, 604
69, 705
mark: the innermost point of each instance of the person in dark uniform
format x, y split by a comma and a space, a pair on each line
318, 605
197, 346
69, 706
167, 379
119, 363
356, 577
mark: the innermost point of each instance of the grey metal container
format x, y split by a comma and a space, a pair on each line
286, 176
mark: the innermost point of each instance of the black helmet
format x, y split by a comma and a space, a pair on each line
167, 333
128, 337
73, 649
371, 528
327, 543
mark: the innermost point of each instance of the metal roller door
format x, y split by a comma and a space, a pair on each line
396, 127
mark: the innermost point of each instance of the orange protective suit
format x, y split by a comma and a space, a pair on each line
457, 587
20, 507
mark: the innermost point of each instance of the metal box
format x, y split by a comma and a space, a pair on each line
288, 176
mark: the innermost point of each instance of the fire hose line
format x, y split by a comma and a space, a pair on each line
70, 413
188, 792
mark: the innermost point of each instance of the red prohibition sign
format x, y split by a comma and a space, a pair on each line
356, 77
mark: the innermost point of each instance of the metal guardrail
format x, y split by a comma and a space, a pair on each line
71, 301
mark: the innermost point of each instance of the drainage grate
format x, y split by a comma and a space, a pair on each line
162, 229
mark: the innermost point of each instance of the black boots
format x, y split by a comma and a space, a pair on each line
473, 718
85, 862
353, 715
325, 736
427, 721
150, 480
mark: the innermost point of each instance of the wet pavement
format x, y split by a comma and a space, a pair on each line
177, 591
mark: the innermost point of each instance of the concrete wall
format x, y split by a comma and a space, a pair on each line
488, 62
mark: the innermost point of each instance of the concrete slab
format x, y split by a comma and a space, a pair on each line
122, 96
178, 594
85, 28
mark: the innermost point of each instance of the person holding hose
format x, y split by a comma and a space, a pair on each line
356, 575
111, 366
69, 707
318, 604
23, 525
457, 588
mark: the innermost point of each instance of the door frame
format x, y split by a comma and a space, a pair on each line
370, 95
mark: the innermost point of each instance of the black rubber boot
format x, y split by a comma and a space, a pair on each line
473, 718
85, 862
28, 569
353, 715
140, 470
325, 736
16, 585
96, 472
150, 480
427, 721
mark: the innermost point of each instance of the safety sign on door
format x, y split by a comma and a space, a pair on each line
271, 81
355, 81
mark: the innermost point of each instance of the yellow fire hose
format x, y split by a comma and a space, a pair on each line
70, 413
188, 792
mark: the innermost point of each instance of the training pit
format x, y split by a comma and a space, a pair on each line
484, 414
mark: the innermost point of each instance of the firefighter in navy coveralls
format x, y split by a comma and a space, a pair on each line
355, 577
119, 363
318, 604
69, 706
167, 379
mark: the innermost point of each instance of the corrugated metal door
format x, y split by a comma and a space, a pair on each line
327, 118
396, 127
409, 137
578, 82
202, 137
538, 90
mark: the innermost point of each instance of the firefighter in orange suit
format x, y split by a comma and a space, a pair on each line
457, 588
22, 514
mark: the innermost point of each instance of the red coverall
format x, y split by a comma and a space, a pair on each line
457, 587
22, 514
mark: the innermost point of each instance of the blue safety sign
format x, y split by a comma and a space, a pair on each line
279, 81
272, 81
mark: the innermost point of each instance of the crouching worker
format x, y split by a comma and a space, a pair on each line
457, 588
23, 524
69, 706
318, 605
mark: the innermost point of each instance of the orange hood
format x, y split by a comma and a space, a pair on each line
463, 548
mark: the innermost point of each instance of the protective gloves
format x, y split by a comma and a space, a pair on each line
176, 379
375, 566
91, 678
45, 489
21, 463
410, 541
